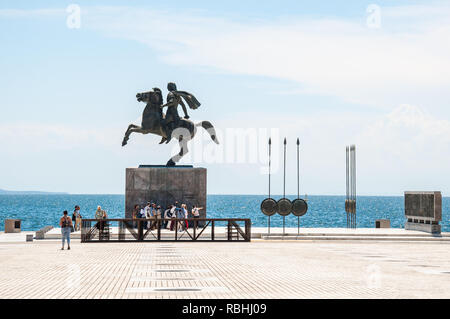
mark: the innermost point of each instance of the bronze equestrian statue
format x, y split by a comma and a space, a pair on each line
169, 125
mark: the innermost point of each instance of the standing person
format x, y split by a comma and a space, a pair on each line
186, 215
167, 215
99, 213
196, 213
105, 216
145, 213
173, 215
141, 216
148, 215
180, 215
158, 216
99, 217
153, 212
74, 219
135, 214
142, 213
66, 224
78, 218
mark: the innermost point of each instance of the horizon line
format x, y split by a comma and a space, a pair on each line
214, 194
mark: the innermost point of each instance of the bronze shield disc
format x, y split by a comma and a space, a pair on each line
269, 207
299, 207
284, 207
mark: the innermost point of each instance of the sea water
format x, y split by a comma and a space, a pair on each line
37, 211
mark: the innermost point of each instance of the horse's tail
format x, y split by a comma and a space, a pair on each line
210, 129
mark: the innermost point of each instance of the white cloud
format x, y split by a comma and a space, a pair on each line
405, 149
410, 134
336, 57
405, 61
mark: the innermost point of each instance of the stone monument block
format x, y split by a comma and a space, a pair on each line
13, 226
165, 185
423, 211
382, 223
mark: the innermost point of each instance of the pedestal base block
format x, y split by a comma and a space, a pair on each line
164, 186
429, 228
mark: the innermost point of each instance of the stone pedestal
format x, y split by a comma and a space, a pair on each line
165, 185
423, 211
382, 223
429, 228
13, 226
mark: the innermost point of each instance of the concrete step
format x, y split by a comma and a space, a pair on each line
427, 235
355, 237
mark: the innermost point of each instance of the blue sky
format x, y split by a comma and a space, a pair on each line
303, 69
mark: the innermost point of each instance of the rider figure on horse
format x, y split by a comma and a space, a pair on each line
164, 125
174, 98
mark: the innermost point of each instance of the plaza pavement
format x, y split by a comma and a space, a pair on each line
259, 269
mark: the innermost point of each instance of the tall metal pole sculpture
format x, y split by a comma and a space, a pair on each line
298, 167
299, 206
270, 158
353, 150
284, 181
347, 197
298, 181
284, 205
350, 201
269, 205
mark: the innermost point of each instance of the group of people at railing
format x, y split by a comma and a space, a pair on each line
173, 217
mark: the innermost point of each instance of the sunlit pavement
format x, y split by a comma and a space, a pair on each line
260, 269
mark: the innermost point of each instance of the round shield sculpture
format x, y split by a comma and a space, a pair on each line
299, 207
284, 207
269, 207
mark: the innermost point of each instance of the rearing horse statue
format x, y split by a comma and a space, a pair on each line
153, 122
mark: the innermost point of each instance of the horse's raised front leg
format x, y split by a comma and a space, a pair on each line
131, 128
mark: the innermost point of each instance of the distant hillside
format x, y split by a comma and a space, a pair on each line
5, 192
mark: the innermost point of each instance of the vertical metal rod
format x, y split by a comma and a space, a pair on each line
284, 181
176, 228
159, 229
284, 170
298, 181
352, 185
298, 168
354, 177
347, 183
354, 160
270, 155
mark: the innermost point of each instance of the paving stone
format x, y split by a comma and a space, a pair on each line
260, 269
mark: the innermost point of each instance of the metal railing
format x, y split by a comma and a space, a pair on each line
147, 230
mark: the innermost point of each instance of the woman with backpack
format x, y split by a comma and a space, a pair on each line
66, 225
